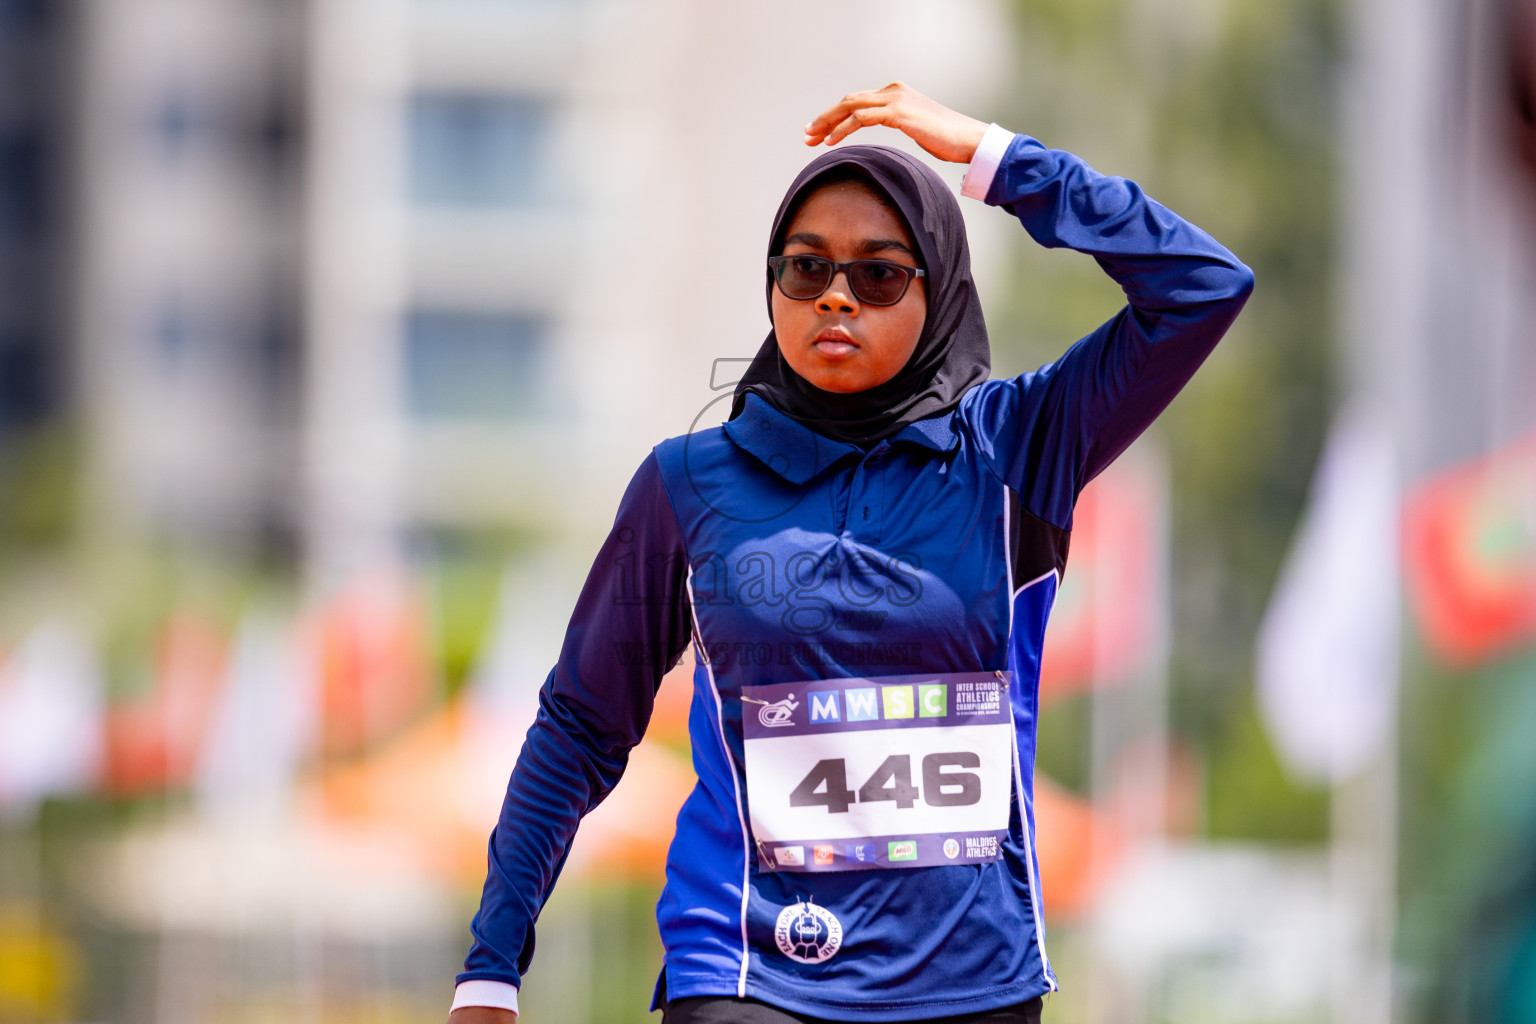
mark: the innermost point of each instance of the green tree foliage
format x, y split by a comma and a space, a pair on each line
39, 475
1465, 866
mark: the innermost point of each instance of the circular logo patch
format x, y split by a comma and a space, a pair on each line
951, 849
808, 934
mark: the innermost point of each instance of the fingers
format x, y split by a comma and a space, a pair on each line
861, 118
852, 112
940, 131
858, 117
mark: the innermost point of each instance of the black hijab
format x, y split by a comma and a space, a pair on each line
952, 354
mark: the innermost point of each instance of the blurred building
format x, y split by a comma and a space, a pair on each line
34, 105
188, 276
357, 275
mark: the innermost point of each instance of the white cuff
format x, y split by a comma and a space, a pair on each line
978, 179
497, 995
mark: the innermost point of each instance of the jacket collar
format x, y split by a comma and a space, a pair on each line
798, 454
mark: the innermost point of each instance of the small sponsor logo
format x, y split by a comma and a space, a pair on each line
951, 849
898, 701
860, 853
862, 703
902, 849
790, 856
823, 855
808, 934
981, 846
824, 707
932, 700
778, 714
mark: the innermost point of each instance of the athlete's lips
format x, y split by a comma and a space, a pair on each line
834, 341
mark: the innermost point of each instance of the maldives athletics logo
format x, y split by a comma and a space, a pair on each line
808, 934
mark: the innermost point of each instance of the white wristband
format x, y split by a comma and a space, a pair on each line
497, 995
984, 162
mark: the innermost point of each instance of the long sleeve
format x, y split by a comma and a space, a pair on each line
630, 625
1048, 432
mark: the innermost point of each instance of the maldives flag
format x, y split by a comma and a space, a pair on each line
1470, 556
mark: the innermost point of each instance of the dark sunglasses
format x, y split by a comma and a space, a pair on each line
875, 282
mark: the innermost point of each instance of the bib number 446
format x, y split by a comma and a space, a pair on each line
826, 785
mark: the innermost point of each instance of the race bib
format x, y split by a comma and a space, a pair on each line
889, 772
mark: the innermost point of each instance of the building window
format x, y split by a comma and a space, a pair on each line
23, 14
494, 4
472, 149
473, 366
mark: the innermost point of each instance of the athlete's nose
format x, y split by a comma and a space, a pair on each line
838, 296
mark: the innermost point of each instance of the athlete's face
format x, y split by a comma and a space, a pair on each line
835, 341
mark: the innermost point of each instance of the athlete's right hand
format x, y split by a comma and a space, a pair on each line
947, 134
481, 1015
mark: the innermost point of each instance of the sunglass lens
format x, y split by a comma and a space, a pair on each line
879, 284
804, 277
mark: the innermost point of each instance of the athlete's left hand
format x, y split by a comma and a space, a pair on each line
947, 134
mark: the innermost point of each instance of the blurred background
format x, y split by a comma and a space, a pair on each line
332, 330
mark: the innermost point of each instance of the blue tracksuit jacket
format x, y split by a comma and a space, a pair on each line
785, 556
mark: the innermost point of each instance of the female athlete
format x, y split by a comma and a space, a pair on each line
863, 557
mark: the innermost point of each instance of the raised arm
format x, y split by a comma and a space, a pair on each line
1047, 433
1050, 431
630, 625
